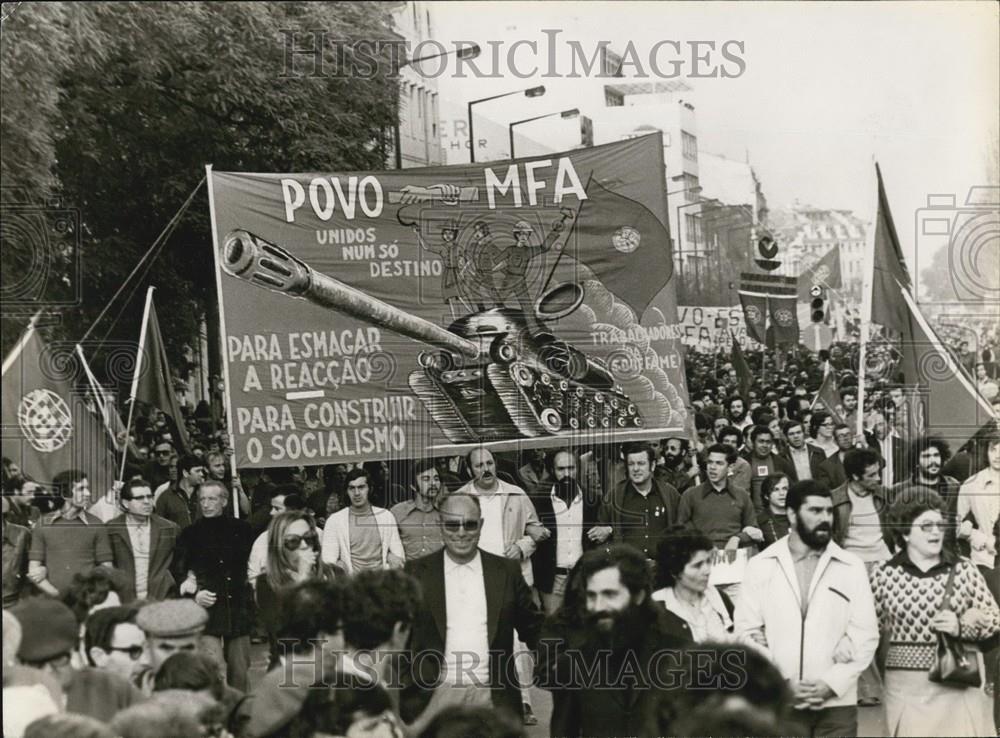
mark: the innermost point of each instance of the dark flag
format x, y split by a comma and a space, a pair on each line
153, 383
890, 274
828, 396
784, 321
824, 273
742, 368
755, 314
953, 407
625, 245
769, 295
47, 426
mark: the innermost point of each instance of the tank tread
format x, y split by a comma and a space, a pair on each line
441, 408
517, 404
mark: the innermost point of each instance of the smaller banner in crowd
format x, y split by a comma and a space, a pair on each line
769, 306
712, 328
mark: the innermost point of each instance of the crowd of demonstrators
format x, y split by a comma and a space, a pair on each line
511, 566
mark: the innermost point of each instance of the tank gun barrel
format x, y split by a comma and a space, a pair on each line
260, 262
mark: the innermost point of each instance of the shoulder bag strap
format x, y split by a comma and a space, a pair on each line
949, 589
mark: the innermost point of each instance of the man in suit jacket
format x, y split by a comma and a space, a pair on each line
763, 463
566, 510
800, 455
639, 510
472, 602
831, 471
142, 545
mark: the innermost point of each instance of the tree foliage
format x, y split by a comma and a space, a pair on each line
116, 108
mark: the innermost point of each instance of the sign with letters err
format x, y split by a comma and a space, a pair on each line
378, 315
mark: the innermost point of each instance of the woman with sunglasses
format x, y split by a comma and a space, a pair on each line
292, 557
909, 591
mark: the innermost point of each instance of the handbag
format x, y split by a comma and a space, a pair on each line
955, 663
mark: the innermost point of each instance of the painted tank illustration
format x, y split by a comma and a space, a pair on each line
487, 377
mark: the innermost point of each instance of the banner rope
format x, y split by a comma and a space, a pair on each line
146, 259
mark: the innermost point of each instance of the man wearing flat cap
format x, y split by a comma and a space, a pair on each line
49, 635
170, 626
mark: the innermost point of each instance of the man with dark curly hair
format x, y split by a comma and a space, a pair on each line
379, 609
927, 457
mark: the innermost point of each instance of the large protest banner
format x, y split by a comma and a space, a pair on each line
374, 315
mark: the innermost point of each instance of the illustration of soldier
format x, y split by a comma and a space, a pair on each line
514, 261
441, 238
478, 274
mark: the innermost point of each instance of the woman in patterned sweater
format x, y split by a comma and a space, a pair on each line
909, 591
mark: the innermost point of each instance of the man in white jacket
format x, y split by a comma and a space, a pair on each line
362, 536
808, 604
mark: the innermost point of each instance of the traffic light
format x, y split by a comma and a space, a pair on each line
586, 131
818, 304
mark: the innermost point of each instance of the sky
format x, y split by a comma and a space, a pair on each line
827, 89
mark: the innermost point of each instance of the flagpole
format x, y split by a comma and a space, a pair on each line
92, 380
866, 308
227, 400
135, 377
21, 343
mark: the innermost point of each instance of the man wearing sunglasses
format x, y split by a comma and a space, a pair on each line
472, 603
157, 469
142, 545
114, 643
49, 636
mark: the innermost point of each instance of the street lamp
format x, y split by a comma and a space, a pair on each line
564, 114
466, 52
530, 92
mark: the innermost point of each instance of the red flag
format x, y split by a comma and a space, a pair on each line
47, 426
755, 314
742, 368
952, 407
153, 382
784, 321
824, 273
624, 244
890, 270
828, 396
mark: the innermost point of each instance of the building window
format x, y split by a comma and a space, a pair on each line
689, 146
613, 99
690, 185
692, 229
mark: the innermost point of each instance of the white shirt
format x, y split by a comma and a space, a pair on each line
800, 457
466, 645
980, 495
885, 448
569, 521
258, 558
709, 621
139, 535
491, 539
